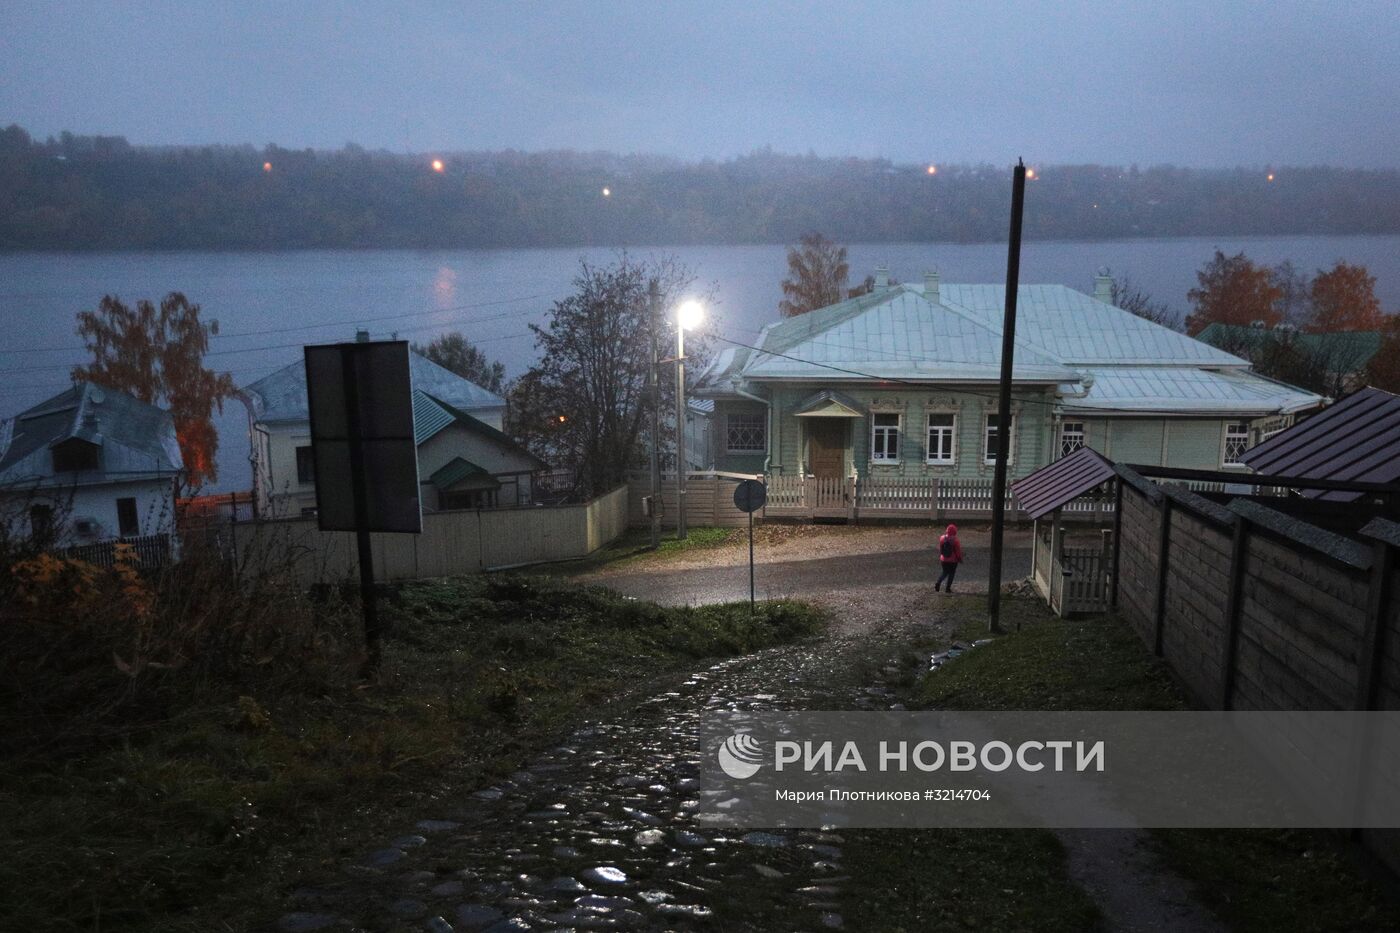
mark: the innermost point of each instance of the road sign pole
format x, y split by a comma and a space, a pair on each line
751, 599
354, 433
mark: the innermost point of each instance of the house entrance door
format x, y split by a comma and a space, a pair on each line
826, 447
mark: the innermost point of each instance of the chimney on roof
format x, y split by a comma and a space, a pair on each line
931, 286
882, 277
1103, 286
362, 336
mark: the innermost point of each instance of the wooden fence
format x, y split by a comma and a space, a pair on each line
452, 542
1255, 609
709, 499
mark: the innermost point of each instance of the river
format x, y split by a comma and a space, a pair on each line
269, 304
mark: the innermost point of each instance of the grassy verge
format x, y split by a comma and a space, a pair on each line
635, 544
203, 819
1255, 880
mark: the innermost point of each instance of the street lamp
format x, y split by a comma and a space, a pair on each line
689, 316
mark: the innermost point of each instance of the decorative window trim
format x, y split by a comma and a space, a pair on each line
988, 454
887, 430
757, 428
1240, 443
1078, 437
952, 458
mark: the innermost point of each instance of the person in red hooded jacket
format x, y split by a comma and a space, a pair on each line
949, 555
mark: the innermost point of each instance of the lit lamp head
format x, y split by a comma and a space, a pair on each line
690, 315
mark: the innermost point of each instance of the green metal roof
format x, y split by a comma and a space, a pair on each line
454, 471
1343, 351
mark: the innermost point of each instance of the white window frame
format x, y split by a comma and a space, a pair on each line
1227, 436
952, 431
891, 434
761, 427
989, 455
1066, 434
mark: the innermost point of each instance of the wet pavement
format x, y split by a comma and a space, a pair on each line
804, 578
599, 832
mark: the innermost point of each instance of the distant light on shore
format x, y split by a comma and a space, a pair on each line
438, 166
1269, 177
267, 166
607, 192
933, 170
1030, 174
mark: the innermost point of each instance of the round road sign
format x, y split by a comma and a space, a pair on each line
750, 495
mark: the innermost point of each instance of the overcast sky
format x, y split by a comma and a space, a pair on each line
1201, 84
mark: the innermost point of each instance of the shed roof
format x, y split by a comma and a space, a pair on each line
1058, 483
137, 439
1356, 439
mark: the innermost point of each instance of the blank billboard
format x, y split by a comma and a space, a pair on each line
374, 376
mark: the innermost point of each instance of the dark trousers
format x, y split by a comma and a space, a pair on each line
950, 570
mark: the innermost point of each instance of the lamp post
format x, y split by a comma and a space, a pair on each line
688, 316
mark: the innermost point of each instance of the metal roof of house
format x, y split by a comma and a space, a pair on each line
137, 439
1356, 439
281, 396
1342, 351
1062, 336
1126, 389
1054, 485
431, 415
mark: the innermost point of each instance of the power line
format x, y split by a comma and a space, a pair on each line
288, 330
284, 346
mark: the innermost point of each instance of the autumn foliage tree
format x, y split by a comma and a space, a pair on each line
817, 275
156, 354
1233, 290
1344, 298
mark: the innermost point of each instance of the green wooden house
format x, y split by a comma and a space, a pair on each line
898, 388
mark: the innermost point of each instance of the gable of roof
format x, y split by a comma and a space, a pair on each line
137, 439
455, 471
1356, 439
281, 396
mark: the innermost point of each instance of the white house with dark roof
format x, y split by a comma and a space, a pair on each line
902, 382
464, 458
89, 465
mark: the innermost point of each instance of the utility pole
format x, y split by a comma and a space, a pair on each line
1008, 352
654, 301
680, 431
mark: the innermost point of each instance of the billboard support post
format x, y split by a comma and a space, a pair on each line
369, 610
365, 456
